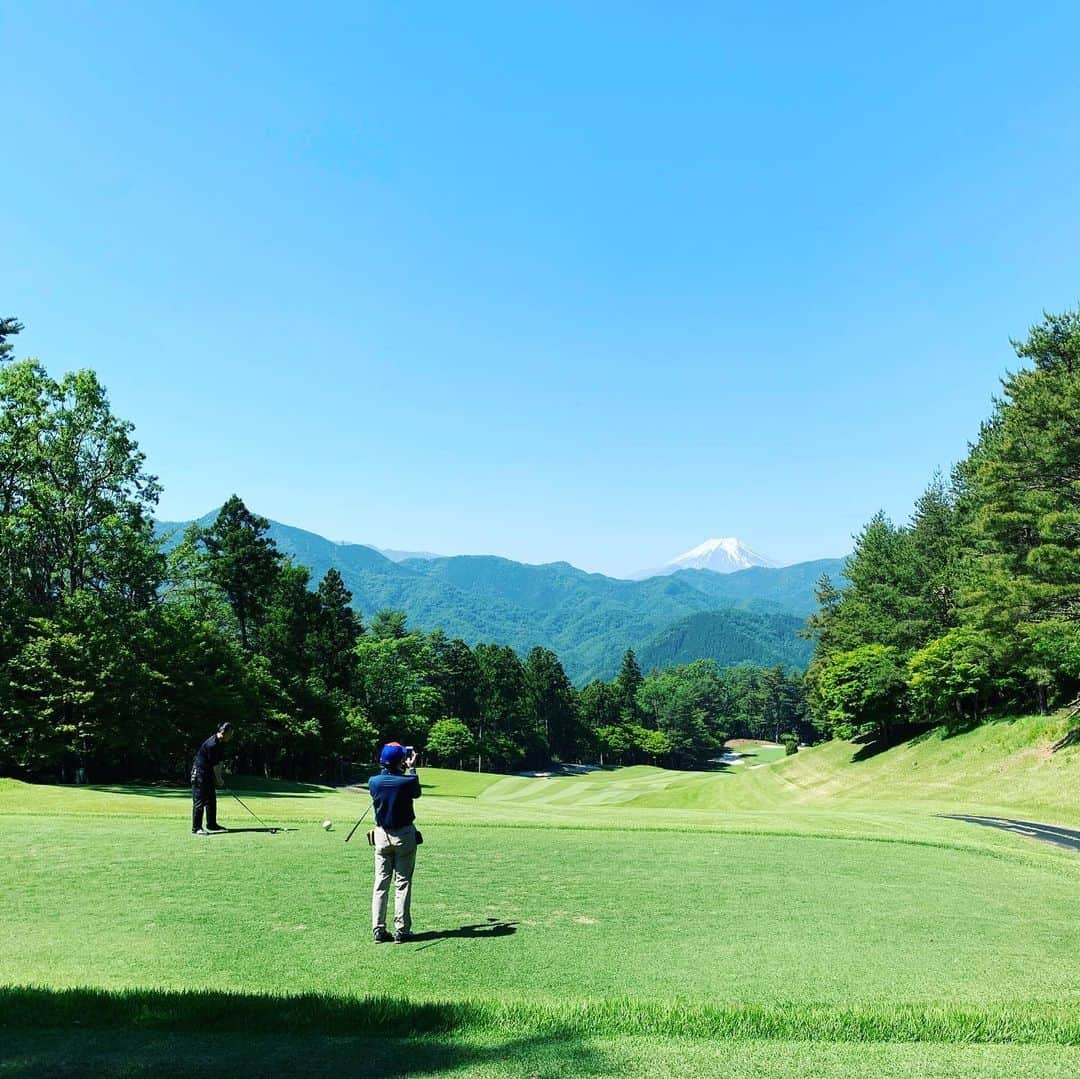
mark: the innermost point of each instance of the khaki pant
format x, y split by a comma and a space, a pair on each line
395, 855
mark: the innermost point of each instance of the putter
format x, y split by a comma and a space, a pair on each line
357, 824
271, 830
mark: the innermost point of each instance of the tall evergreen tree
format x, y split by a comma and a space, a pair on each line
936, 550
627, 683
552, 703
456, 676
9, 327
1022, 501
506, 735
389, 625
334, 635
244, 562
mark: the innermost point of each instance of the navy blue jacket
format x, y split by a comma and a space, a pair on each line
210, 753
393, 796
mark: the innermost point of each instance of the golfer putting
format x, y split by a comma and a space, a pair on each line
395, 839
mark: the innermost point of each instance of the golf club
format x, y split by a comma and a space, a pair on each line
269, 828
357, 824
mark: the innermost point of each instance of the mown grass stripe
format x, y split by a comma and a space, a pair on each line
1047, 857
150, 1009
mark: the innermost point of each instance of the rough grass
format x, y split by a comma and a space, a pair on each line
483, 1055
202, 1010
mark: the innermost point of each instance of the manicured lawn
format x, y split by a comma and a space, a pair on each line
633, 921
134, 901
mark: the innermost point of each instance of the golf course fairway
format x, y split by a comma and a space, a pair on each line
812, 915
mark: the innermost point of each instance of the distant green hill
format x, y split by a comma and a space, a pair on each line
587, 618
729, 637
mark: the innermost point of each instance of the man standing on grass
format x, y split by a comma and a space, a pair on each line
205, 778
396, 838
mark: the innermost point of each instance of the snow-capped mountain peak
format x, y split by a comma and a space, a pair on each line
726, 555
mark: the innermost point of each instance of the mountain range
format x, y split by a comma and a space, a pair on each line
589, 620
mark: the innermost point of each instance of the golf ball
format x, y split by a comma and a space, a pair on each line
328, 824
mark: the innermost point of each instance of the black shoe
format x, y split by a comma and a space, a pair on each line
402, 936
216, 828
380, 936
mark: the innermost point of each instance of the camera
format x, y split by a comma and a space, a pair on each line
409, 751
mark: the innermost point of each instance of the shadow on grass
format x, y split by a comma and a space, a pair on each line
263, 788
124, 1052
272, 829
718, 767
155, 1032
457, 1034
481, 931
871, 745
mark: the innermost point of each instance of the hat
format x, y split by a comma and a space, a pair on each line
392, 753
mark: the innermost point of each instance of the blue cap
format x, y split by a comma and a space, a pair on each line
392, 753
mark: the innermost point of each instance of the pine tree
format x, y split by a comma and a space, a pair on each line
456, 675
935, 544
244, 562
627, 683
389, 625
9, 327
334, 635
1021, 503
551, 702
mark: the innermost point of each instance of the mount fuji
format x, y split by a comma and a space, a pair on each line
727, 555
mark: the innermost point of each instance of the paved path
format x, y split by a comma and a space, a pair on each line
1069, 838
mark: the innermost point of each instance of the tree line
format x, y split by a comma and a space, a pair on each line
121, 649
973, 606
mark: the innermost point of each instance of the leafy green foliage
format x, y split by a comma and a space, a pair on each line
953, 674
79, 571
450, 742
859, 692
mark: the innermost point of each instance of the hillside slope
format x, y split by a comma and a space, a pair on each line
999, 769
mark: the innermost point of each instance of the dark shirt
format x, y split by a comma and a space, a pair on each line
211, 752
393, 796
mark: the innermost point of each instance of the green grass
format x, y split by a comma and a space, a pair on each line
483, 1055
812, 909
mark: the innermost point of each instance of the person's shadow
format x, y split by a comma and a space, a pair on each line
481, 931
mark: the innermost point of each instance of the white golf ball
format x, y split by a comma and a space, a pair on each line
328, 824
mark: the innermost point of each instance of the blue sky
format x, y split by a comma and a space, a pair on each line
552, 281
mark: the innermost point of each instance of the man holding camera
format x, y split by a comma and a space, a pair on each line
395, 839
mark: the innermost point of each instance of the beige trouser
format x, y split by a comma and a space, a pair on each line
395, 856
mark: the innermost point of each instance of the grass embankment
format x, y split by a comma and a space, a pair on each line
811, 914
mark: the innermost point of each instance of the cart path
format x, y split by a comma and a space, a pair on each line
1069, 838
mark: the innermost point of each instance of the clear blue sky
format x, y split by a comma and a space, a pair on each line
553, 281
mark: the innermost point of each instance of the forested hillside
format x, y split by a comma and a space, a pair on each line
727, 638
587, 618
